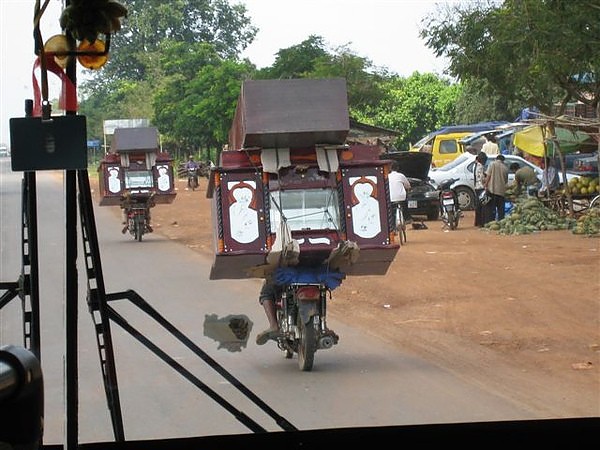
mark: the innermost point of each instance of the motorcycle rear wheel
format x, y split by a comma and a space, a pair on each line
451, 220
139, 227
307, 345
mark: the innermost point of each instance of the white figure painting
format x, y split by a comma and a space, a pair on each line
243, 217
366, 220
164, 181
114, 183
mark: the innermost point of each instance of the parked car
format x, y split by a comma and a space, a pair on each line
462, 169
422, 198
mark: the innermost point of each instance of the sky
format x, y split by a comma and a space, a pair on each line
384, 31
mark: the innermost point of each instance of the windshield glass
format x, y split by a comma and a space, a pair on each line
306, 209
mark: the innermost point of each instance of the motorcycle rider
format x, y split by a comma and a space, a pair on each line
269, 293
127, 201
192, 165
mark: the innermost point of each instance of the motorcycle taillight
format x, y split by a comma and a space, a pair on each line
447, 194
308, 293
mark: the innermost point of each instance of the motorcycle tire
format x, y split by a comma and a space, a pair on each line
307, 345
456, 219
452, 222
139, 227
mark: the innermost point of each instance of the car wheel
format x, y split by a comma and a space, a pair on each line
466, 198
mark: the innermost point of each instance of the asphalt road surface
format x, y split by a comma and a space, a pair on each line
360, 382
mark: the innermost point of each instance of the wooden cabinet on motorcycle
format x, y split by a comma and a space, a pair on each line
135, 164
291, 192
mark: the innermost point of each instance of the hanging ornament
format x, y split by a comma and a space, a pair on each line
93, 62
56, 45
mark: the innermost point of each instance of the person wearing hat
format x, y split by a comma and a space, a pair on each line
496, 178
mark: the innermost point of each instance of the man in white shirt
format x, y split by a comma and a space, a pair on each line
399, 186
490, 147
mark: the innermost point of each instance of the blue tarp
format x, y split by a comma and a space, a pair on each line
474, 127
330, 278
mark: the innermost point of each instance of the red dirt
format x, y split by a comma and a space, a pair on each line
476, 302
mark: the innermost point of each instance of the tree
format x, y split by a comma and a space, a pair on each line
296, 61
153, 32
530, 51
414, 106
478, 103
150, 22
196, 112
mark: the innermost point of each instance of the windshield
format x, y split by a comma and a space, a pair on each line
306, 209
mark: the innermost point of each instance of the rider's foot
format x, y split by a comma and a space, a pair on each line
150, 230
124, 230
265, 336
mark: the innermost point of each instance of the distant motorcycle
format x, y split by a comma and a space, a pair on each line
192, 178
449, 208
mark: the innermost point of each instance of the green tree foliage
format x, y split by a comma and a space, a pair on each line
150, 22
478, 103
363, 80
194, 108
414, 106
160, 44
530, 51
163, 66
297, 61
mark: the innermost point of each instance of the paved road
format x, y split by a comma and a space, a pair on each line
360, 382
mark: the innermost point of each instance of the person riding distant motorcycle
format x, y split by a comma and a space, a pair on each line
128, 200
192, 168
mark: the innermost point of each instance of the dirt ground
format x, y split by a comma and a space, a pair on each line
519, 311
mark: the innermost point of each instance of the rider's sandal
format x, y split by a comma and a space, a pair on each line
265, 336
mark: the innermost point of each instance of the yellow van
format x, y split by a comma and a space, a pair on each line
443, 147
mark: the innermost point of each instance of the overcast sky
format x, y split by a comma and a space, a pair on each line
385, 31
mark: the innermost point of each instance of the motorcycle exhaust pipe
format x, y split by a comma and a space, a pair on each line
326, 342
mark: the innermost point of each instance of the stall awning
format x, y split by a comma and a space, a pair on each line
531, 140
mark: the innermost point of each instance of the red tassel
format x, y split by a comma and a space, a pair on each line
68, 96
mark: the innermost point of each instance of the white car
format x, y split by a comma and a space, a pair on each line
462, 169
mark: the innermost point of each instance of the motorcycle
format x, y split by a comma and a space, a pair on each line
301, 316
137, 216
449, 209
137, 222
192, 178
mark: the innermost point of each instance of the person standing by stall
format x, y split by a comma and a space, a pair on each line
479, 176
496, 178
